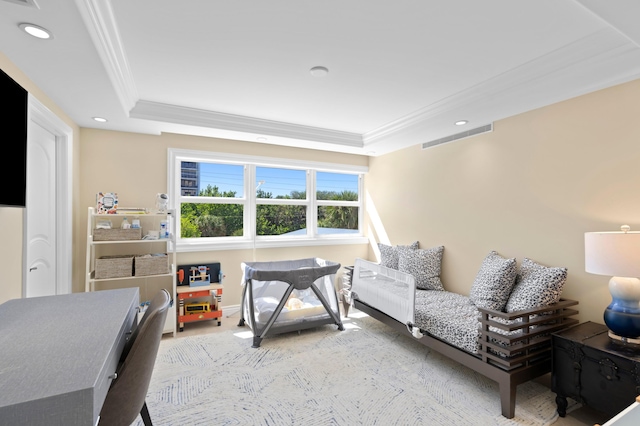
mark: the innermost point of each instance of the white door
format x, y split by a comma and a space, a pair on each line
41, 274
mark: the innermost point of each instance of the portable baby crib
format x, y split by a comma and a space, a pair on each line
289, 295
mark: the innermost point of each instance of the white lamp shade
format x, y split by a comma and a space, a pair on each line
612, 253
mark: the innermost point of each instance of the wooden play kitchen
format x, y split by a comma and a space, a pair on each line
199, 311
200, 299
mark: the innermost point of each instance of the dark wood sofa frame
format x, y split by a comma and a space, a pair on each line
512, 361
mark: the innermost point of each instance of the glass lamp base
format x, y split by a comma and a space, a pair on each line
622, 316
624, 325
627, 341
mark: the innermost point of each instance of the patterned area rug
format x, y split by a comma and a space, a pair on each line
367, 374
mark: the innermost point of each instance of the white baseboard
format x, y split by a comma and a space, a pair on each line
229, 310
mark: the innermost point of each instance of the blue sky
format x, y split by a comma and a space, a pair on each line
276, 181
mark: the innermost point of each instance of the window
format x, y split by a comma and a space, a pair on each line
288, 215
338, 203
230, 201
211, 200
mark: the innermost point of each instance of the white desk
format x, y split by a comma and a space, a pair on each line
57, 354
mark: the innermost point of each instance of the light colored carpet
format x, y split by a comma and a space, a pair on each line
365, 375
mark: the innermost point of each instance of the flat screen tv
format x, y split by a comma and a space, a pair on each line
13, 173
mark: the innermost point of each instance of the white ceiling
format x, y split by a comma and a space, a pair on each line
401, 72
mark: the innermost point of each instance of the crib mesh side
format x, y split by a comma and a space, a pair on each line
272, 281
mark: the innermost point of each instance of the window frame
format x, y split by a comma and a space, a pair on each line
250, 202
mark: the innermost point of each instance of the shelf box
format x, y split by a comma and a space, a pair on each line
154, 264
117, 234
118, 266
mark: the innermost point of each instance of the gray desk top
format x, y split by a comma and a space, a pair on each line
58, 345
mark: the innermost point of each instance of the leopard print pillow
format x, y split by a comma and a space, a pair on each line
389, 254
424, 265
536, 285
494, 282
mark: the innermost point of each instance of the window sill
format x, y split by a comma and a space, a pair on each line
183, 247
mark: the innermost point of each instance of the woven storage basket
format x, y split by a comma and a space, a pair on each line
151, 264
114, 266
117, 234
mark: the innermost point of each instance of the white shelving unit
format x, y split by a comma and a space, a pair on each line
147, 284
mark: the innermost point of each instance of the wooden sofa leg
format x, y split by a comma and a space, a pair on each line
508, 399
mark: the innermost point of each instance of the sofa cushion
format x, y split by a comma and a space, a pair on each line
450, 317
494, 282
536, 285
389, 254
424, 265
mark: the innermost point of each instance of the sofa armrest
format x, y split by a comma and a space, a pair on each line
515, 339
560, 306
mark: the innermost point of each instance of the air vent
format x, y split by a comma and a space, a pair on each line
457, 136
30, 3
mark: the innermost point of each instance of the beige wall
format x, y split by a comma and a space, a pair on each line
135, 166
11, 219
531, 188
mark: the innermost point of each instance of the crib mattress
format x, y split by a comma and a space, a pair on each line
265, 306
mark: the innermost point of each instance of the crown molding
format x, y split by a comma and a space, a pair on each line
100, 22
148, 110
604, 46
625, 23
518, 88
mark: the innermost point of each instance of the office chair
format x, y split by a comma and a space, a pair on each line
126, 396
154, 305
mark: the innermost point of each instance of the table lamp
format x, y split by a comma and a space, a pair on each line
617, 254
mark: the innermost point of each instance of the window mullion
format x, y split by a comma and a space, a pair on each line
312, 213
360, 204
174, 175
250, 214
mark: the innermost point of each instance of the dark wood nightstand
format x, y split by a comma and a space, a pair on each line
593, 370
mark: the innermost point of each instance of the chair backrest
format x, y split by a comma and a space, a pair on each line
156, 303
127, 393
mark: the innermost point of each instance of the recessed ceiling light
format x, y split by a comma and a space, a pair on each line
461, 122
319, 71
100, 119
35, 31
261, 139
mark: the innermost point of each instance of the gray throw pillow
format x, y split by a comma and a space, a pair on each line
536, 285
389, 254
494, 282
424, 264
